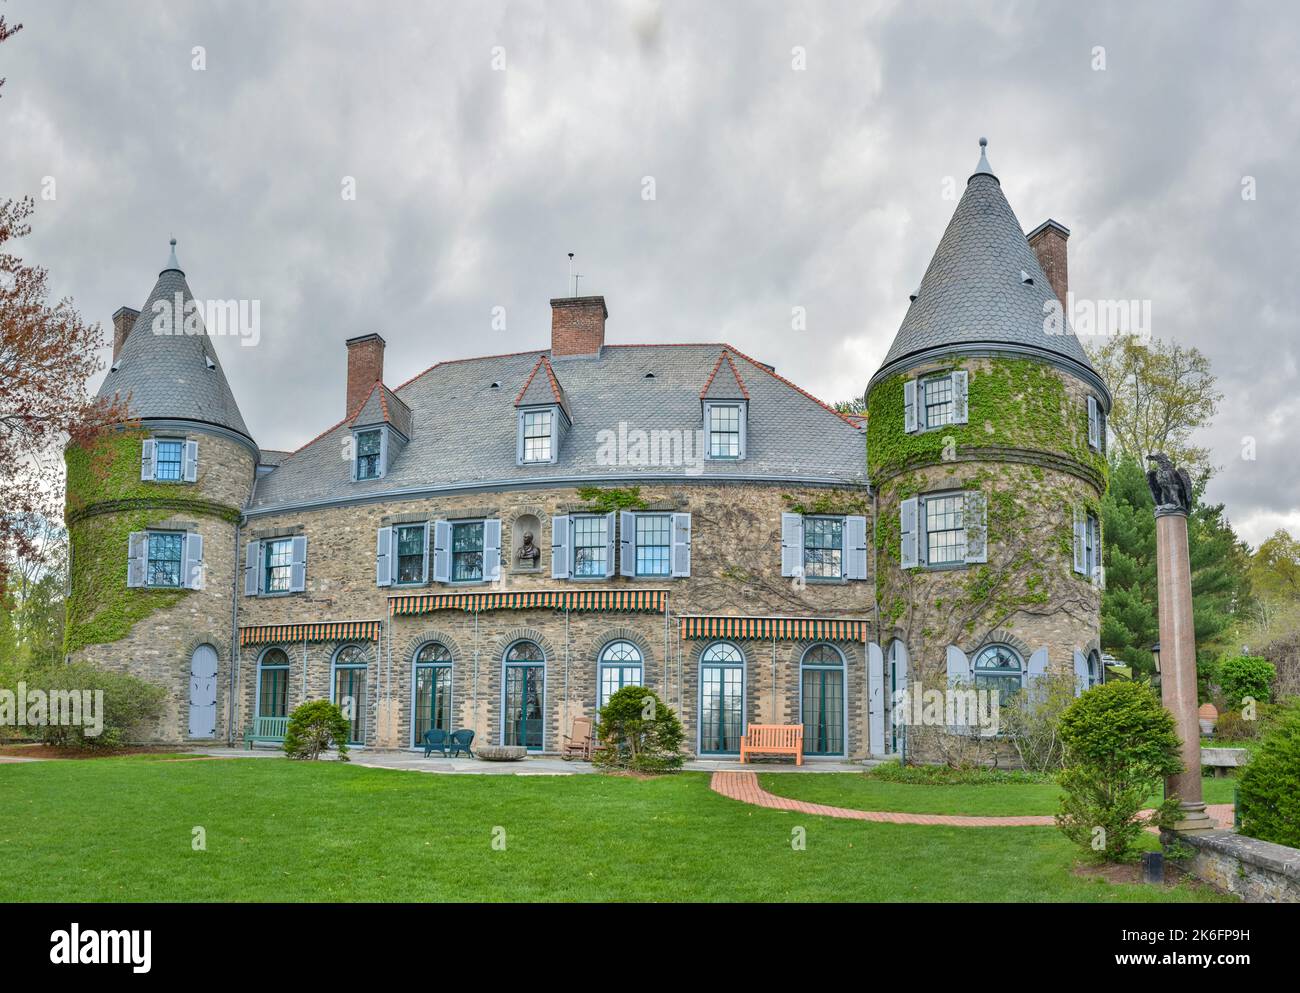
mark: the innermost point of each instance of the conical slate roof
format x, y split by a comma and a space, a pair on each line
172, 376
974, 292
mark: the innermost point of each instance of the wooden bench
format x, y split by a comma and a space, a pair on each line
266, 731
773, 739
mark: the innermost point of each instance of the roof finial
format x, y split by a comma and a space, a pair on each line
983, 169
171, 259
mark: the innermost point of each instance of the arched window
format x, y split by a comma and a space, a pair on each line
431, 690
998, 667
349, 682
525, 696
620, 665
1095, 671
273, 683
822, 700
722, 699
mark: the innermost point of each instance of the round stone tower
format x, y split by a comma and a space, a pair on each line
153, 512
986, 450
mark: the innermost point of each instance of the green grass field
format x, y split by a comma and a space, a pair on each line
121, 829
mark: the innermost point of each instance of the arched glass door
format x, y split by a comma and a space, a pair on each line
722, 699
822, 705
350, 690
431, 691
525, 694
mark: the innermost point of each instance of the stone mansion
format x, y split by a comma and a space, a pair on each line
499, 543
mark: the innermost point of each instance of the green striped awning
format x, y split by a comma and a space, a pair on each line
607, 601
766, 628
270, 634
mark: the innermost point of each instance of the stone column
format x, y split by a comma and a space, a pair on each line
1178, 663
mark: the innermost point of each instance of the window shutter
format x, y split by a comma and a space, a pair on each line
147, 460
1080, 541
560, 546
1036, 670
855, 548
975, 516
298, 565
383, 452
960, 378
611, 549
1081, 680
191, 465
744, 429
907, 514
681, 564
910, 423
442, 551
1101, 428
958, 666
252, 568
137, 558
876, 698
424, 563
519, 437
492, 550
626, 543
791, 545
192, 579
384, 557
1094, 437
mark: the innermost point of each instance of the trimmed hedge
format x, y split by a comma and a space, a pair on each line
1269, 792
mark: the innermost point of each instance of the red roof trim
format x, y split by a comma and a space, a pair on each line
718, 365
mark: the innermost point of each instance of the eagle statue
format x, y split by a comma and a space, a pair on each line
1171, 487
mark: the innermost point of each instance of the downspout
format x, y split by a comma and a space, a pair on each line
775, 718
475, 715
564, 710
666, 686
234, 644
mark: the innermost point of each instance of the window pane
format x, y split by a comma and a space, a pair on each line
279, 563
537, 436
432, 700
368, 446
167, 460
823, 711
653, 544
999, 668
467, 551
410, 554
350, 696
724, 432
823, 541
944, 530
589, 546
164, 566
938, 401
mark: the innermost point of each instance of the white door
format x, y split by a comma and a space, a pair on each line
203, 692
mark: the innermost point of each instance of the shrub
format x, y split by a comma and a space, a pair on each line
638, 731
1031, 721
313, 727
1269, 792
943, 775
129, 705
1119, 744
1245, 676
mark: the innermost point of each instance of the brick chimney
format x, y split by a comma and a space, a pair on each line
1048, 242
123, 321
577, 326
365, 368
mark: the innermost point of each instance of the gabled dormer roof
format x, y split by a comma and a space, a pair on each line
724, 382
544, 389
167, 373
383, 406
973, 294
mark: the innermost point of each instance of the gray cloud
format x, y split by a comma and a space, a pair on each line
775, 188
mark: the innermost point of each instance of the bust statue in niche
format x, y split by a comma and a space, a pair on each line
525, 537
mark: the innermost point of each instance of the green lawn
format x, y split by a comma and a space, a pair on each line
110, 829
859, 792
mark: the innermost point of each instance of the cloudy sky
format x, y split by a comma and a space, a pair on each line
486, 140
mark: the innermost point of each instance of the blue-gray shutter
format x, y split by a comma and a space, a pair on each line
560, 546
192, 578
960, 379
442, 551
424, 561
252, 568
958, 666
1035, 670
1081, 680
384, 557
298, 564
190, 468
908, 545
1094, 435
855, 548
910, 422
147, 450
383, 452
1080, 541
681, 561
876, 698
137, 558
975, 518
626, 543
203, 692
492, 550
791, 545
611, 564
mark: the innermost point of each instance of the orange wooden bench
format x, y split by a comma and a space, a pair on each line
773, 739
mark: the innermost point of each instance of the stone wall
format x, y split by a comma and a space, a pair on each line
1257, 871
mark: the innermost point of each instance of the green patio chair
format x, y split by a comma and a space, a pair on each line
435, 738
460, 741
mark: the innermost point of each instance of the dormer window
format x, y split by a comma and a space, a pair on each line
935, 401
369, 454
725, 426
536, 430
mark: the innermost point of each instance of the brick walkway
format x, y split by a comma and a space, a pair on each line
743, 786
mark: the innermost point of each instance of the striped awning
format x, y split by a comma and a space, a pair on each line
766, 628
271, 634
606, 601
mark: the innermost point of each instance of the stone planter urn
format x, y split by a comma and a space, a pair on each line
501, 753
1208, 716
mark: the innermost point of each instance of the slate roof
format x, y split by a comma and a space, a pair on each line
383, 406
463, 428
544, 389
724, 381
972, 292
167, 376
